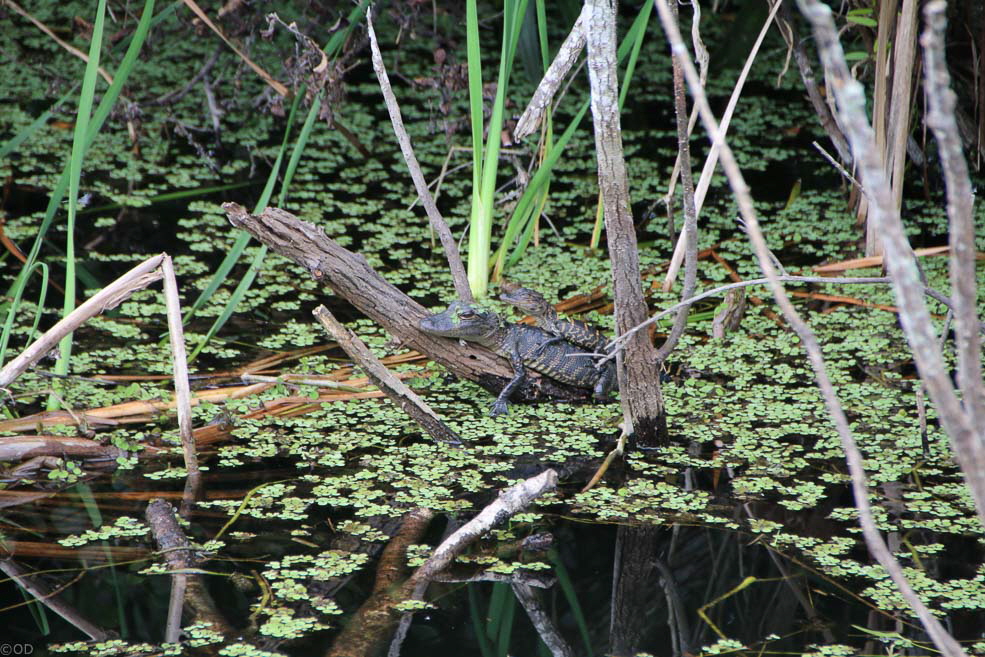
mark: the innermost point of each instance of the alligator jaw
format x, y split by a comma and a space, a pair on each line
437, 325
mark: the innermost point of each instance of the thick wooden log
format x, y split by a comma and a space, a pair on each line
352, 278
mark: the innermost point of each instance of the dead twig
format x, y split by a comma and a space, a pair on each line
396, 390
179, 360
438, 223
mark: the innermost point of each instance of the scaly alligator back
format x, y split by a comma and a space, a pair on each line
559, 360
576, 331
523, 346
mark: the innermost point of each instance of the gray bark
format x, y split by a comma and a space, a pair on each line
639, 376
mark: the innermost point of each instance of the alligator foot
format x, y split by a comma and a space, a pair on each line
498, 408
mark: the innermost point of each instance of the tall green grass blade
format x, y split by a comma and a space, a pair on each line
497, 605
480, 228
478, 622
568, 589
528, 214
638, 31
37, 611
505, 634
529, 46
41, 299
538, 182
16, 292
528, 231
247, 281
474, 60
75, 173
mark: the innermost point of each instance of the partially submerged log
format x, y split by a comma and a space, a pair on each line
352, 278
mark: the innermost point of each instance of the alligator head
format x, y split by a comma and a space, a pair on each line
463, 321
525, 300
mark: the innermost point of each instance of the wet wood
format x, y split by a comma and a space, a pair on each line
16, 448
351, 277
369, 631
177, 553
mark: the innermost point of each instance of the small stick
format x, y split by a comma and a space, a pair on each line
182, 389
510, 502
438, 223
565, 59
397, 391
109, 297
289, 379
842, 170
51, 600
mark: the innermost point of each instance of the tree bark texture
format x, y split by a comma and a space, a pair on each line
350, 276
639, 378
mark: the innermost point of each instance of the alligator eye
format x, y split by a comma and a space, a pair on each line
467, 314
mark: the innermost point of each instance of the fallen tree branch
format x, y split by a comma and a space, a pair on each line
396, 390
510, 501
350, 276
563, 62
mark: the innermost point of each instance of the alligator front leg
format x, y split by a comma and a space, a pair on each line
499, 407
607, 379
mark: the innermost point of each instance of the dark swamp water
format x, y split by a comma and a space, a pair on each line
740, 536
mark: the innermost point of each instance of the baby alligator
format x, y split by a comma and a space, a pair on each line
575, 331
521, 345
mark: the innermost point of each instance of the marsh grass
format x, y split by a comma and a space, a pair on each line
87, 129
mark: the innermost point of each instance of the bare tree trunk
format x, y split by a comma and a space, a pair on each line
639, 378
